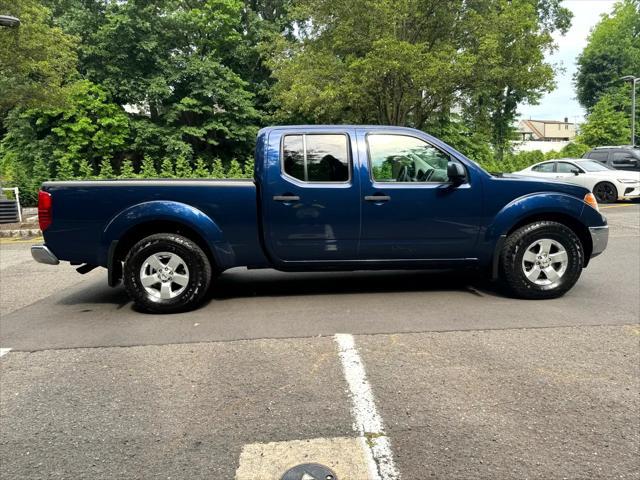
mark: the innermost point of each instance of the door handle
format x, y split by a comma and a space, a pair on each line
286, 198
377, 198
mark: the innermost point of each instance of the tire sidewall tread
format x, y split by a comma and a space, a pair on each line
513, 251
199, 272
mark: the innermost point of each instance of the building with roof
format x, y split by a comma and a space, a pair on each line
546, 130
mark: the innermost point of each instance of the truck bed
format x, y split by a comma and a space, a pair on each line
75, 232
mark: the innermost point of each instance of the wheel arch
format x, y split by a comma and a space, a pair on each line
579, 228
140, 221
581, 231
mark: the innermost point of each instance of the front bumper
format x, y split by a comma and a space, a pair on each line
629, 191
599, 239
42, 254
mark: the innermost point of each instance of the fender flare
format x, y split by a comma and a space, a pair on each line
171, 211
530, 205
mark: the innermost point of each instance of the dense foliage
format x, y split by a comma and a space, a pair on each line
613, 51
179, 88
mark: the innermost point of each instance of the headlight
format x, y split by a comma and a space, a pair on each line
626, 180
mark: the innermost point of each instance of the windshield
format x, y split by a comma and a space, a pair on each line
591, 166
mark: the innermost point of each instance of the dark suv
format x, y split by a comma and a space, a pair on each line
620, 157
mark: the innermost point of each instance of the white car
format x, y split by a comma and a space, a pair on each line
607, 184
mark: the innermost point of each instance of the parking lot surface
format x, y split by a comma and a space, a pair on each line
468, 382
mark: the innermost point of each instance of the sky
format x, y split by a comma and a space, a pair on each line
561, 102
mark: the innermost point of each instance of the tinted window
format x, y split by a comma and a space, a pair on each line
624, 159
544, 167
316, 158
599, 155
591, 166
399, 158
621, 156
564, 167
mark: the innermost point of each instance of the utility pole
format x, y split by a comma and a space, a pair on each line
633, 80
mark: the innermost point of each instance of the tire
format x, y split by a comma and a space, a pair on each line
177, 283
519, 272
605, 192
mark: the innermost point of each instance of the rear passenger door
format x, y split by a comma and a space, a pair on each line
311, 200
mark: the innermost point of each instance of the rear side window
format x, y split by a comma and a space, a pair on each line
545, 168
599, 155
316, 157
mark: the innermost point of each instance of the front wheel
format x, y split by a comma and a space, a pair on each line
605, 192
542, 260
166, 273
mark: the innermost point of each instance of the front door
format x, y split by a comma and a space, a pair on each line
410, 209
311, 200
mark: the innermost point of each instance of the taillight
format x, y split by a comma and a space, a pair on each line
44, 210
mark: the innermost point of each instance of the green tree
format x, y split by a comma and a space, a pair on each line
176, 73
126, 169
37, 60
201, 170
248, 168
148, 168
234, 170
217, 170
166, 168
85, 171
106, 170
41, 173
78, 136
612, 51
183, 169
402, 63
64, 169
608, 122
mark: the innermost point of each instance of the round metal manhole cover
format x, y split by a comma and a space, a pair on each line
309, 471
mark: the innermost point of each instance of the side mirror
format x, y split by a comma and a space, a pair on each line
575, 171
456, 173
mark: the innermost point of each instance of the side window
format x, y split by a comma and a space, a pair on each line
564, 167
400, 158
624, 159
599, 155
544, 167
316, 157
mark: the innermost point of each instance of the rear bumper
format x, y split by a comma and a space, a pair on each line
42, 254
599, 239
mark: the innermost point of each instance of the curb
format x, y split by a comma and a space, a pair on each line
22, 233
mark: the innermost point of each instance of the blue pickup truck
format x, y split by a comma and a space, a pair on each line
324, 198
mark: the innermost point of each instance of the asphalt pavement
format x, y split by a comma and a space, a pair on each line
468, 382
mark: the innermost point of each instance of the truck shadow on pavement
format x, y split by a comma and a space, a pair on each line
239, 283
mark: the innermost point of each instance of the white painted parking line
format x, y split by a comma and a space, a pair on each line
367, 421
4, 351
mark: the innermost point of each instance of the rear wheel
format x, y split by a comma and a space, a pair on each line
166, 273
542, 260
605, 192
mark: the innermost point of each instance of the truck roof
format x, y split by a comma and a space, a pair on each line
327, 127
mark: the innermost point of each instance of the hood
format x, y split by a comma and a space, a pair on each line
616, 174
542, 184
